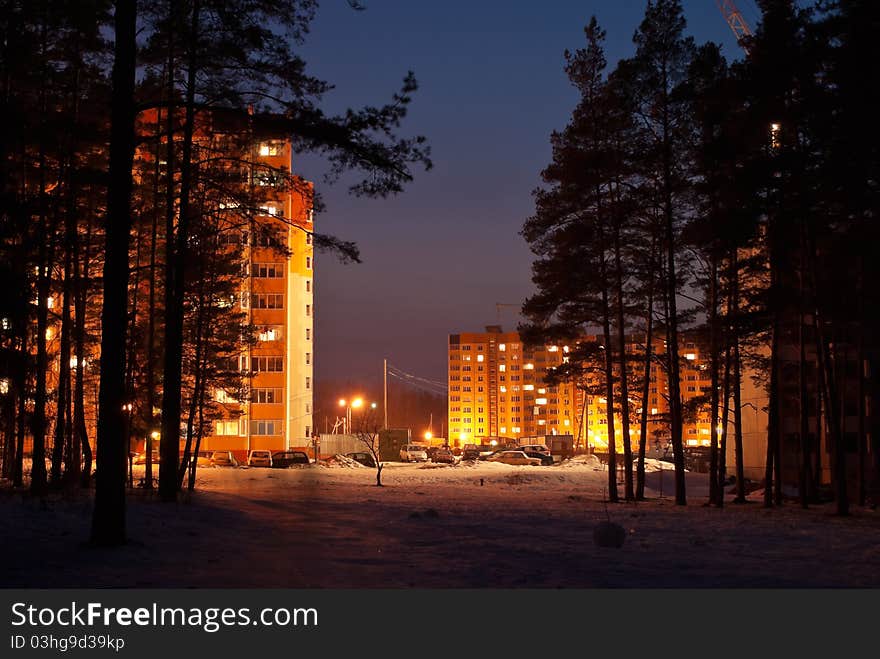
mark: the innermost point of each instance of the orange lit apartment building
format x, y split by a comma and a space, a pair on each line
278, 298
497, 390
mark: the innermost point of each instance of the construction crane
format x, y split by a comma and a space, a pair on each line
735, 20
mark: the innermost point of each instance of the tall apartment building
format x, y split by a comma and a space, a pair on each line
278, 298
497, 390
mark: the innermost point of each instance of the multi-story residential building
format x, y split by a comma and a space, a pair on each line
278, 299
497, 389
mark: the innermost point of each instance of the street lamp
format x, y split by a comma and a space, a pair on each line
348, 405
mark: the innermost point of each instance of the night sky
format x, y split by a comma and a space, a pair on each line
437, 258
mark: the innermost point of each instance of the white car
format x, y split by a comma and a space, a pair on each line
514, 458
534, 448
413, 453
260, 459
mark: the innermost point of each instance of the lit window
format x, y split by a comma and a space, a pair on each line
502, 347
542, 391
540, 401
653, 410
270, 334
480, 358
502, 368
516, 430
566, 422
502, 429
529, 367
502, 389
690, 356
553, 349
529, 387
541, 422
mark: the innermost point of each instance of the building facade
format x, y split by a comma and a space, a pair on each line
497, 390
277, 298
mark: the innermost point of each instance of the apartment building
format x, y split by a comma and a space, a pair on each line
278, 299
497, 389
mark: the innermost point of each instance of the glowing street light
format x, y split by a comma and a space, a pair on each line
355, 403
428, 435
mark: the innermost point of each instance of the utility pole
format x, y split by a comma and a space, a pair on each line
385, 392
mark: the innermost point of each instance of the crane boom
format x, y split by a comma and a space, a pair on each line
734, 18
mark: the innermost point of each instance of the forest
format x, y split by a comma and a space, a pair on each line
130, 188
736, 201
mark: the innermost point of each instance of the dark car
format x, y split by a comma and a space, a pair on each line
223, 459
284, 459
470, 452
443, 456
364, 458
543, 457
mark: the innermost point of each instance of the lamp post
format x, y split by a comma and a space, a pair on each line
348, 405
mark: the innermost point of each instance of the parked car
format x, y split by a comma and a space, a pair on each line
432, 451
285, 459
141, 458
545, 458
260, 459
444, 456
514, 458
488, 450
364, 458
202, 460
534, 448
413, 453
223, 459
470, 452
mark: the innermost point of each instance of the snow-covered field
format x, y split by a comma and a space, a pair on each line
435, 526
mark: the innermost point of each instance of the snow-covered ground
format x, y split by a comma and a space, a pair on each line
433, 526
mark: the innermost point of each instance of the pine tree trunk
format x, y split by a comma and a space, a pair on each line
18, 467
169, 447
81, 446
108, 522
725, 415
646, 385
773, 418
713, 374
629, 494
609, 373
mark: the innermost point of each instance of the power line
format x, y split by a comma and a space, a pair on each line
431, 386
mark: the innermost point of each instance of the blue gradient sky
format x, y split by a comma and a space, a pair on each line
437, 258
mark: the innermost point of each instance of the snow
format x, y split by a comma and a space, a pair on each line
492, 525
